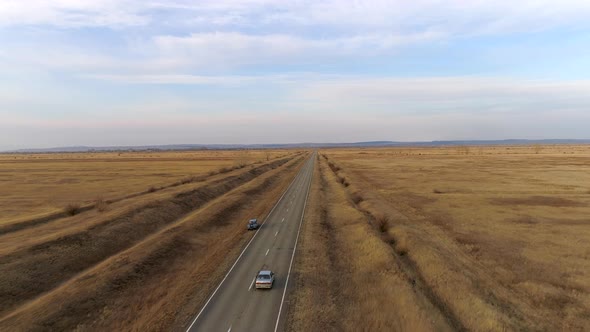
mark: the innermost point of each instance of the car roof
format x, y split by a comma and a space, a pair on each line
254, 219
265, 272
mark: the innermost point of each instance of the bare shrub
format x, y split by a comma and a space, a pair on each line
333, 167
463, 149
356, 197
225, 170
152, 189
401, 245
187, 180
388, 238
72, 209
382, 222
342, 180
100, 204
438, 191
211, 173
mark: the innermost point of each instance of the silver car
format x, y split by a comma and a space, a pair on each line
265, 279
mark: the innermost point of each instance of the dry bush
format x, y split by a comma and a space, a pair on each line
224, 170
438, 191
342, 180
382, 222
100, 204
333, 167
400, 238
72, 209
152, 189
187, 180
356, 197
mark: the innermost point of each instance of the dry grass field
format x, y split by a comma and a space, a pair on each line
145, 262
41, 184
347, 278
494, 238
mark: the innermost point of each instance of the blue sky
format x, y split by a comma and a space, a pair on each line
130, 72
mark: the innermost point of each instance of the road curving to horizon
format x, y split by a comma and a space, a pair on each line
236, 305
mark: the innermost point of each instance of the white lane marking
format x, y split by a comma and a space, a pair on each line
283, 220
229, 329
243, 251
267, 250
276, 233
293, 256
251, 284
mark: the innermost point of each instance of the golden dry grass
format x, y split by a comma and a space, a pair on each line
33, 185
499, 235
146, 262
347, 278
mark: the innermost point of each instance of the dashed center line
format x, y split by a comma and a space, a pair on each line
283, 220
277, 233
267, 250
229, 329
249, 288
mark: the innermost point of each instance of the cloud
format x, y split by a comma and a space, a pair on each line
118, 63
72, 13
177, 36
397, 16
234, 49
446, 95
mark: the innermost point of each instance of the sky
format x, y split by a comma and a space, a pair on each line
143, 72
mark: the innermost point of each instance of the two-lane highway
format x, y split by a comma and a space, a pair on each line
236, 305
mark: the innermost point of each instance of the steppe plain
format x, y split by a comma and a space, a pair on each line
491, 238
126, 241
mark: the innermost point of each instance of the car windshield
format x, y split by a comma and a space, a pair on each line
263, 276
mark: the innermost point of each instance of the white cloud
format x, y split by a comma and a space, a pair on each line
444, 95
72, 13
206, 43
233, 49
393, 16
227, 34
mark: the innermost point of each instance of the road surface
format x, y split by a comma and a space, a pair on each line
236, 305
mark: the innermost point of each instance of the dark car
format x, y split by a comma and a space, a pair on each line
253, 224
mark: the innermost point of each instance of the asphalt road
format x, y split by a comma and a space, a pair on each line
236, 305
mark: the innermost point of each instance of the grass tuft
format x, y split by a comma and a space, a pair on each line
100, 204
335, 168
356, 197
72, 209
382, 222
224, 170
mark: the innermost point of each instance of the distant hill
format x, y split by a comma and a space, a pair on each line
298, 145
